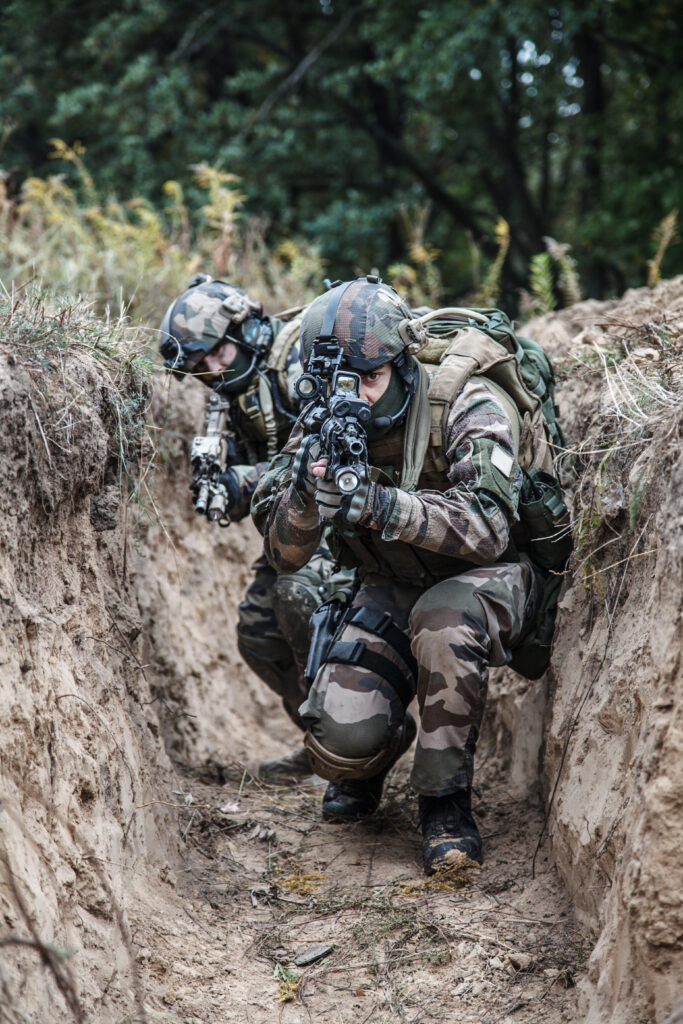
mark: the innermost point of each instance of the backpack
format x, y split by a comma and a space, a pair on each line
482, 342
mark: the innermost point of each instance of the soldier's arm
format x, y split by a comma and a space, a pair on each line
285, 515
241, 483
471, 520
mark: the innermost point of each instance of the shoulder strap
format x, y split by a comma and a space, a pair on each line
472, 353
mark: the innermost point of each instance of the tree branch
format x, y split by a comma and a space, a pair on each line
303, 67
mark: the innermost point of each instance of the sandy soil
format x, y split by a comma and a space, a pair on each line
265, 886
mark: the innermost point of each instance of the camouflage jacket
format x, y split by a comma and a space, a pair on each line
458, 517
250, 457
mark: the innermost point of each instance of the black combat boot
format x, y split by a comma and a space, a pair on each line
283, 769
352, 799
448, 829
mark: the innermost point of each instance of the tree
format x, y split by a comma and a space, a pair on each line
556, 117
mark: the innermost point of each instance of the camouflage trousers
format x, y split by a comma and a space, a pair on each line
274, 617
451, 633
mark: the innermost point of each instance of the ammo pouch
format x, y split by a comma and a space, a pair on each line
543, 531
532, 657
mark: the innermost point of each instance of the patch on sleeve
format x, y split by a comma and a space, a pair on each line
502, 460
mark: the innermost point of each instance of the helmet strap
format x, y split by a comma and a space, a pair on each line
327, 329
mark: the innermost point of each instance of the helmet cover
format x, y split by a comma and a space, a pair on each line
366, 323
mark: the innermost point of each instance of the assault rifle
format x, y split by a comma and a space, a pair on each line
337, 415
209, 459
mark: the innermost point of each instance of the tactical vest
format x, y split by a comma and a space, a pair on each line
262, 418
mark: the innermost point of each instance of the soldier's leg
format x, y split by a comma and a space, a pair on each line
273, 638
460, 627
297, 595
262, 645
356, 709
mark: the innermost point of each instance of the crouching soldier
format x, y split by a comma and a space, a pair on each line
220, 336
449, 579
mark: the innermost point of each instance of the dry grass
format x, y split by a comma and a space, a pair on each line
626, 448
134, 258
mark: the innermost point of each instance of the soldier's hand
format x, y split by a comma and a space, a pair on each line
333, 504
231, 482
302, 471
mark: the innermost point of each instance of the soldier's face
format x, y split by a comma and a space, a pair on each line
374, 384
220, 359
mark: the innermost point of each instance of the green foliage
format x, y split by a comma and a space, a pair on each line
568, 278
541, 281
419, 281
554, 119
488, 294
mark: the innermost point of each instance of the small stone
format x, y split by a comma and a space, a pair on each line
313, 953
520, 961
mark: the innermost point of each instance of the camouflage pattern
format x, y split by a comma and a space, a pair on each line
457, 628
247, 479
261, 643
366, 324
286, 515
273, 629
274, 618
465, 523
469, 518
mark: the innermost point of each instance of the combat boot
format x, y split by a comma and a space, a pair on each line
352, 799
448, 830
292, 766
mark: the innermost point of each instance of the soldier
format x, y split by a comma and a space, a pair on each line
443, 590
217, 334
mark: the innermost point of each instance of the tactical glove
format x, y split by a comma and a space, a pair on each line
231, 482
341, 508
302, 476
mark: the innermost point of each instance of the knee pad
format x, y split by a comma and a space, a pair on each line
294, 601
335, 768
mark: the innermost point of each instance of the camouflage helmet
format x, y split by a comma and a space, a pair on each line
368, 319
197, 321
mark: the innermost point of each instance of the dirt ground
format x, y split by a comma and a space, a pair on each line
277, 915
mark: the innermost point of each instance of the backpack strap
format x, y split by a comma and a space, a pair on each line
284, 338
286, 335
471, 354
